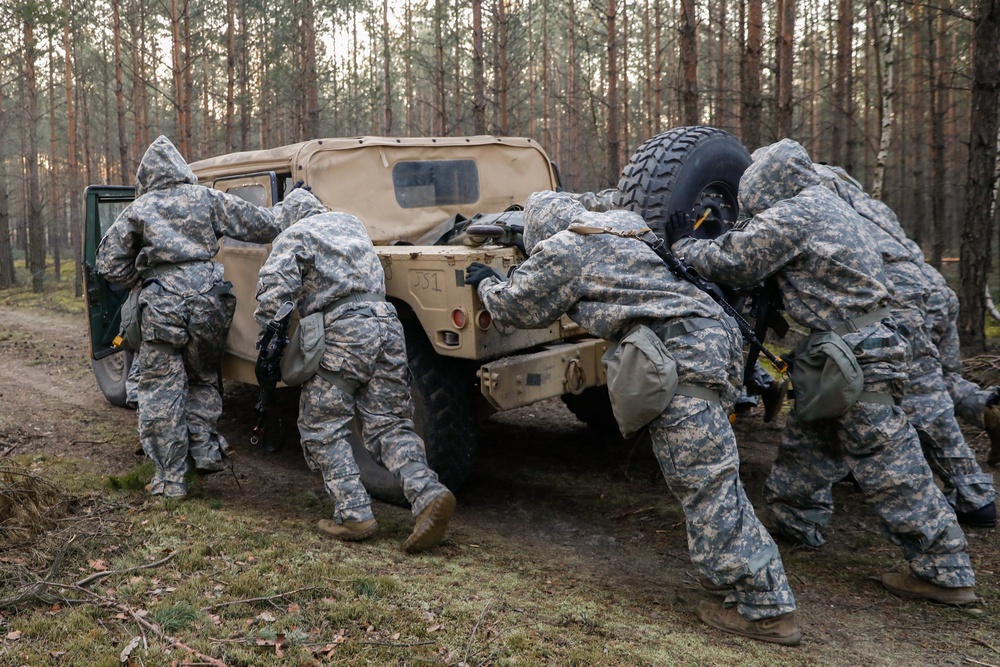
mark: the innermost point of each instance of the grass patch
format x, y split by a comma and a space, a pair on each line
134, 480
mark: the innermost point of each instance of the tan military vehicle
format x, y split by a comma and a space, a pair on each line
432, 206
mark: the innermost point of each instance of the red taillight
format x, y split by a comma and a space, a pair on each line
458, 318
484, 320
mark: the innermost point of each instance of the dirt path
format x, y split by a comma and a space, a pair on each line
588, 505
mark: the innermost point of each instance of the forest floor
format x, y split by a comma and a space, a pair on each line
566, 549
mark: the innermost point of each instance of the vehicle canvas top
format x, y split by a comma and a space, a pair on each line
403, 189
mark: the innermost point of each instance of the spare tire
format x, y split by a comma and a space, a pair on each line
697, 169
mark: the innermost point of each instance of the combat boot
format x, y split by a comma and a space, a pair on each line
778, 630
348, 531
774, 398
712, 587
429, 527
908, 586
984, 517
991, 418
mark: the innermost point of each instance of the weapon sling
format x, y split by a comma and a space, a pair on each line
684, 272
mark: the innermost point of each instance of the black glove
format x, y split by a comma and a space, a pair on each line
267, 372
679, 226
477, 272
301, 184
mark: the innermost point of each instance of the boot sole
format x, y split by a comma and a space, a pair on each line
912, 595
430, 531
349, 537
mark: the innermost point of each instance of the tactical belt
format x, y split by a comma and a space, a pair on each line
160, 269
696, 391
875, 397
859, 323
356, 298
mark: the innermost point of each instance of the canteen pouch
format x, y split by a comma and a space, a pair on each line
642, 378
304, 353
826, 377
131, 330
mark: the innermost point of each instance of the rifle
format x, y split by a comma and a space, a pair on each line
685, 272
268, 371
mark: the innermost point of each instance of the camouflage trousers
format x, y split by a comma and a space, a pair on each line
695, 446
369, 353
878, 445
969, 398
930, 410
178, 382
696, 449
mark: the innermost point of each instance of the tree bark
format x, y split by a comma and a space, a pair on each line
974, 267
842, 102
614, 131
785, 63
750, 69
35, 228
6, 256
689, 62
76, 226
885, 28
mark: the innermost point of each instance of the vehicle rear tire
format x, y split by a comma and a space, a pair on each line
443, 416
111, 372
687, 168
593, 408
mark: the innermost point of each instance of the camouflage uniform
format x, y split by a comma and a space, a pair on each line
319, 264
607, 284
926, 398
942, 324
166, 239
830, 274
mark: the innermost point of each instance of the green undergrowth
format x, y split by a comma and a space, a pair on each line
248, 589
56, 295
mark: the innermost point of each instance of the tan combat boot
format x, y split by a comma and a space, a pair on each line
777, 630
428, 529
349, 531
908, 586
991, 417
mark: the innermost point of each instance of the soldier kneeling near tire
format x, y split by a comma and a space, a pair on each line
325, 262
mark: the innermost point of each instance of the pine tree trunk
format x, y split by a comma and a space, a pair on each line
35, 227
750, 69
689, 62
974, 266
612, 168
75, 223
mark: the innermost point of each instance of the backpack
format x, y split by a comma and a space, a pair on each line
642, 378
826, 377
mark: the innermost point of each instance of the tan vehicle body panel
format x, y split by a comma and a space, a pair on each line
425, 281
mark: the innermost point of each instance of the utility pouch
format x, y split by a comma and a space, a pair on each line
131, 330
826, 377
642, 378
304, 353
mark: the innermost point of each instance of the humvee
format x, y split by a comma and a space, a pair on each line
433, 206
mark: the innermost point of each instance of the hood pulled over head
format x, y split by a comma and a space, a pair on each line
298, 204
162, 167
778, 171
547, 213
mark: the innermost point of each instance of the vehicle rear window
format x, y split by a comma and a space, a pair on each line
420, 183
252, 192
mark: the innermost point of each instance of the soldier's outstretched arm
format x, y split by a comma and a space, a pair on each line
237, 218
118, 249
538, 292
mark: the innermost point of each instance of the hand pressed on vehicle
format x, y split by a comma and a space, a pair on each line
477, 272
679, 226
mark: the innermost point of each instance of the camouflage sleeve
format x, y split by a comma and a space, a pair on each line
596, 201
237, 218
741, 258
280, 278
118, 249
538, 292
